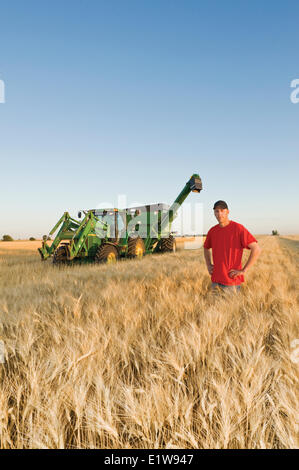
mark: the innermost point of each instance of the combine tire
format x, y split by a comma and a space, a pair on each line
168, 245
106, 254
136, 248
60, 255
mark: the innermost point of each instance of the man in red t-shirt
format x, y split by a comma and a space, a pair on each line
228, 240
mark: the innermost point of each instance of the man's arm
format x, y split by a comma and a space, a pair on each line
208, 259
255, 251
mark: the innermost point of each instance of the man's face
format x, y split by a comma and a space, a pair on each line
221, 214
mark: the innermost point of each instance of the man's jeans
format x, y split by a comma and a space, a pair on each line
226, 288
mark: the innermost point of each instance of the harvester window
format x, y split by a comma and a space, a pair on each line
120, 222
109, 219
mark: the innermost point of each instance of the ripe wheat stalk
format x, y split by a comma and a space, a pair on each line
142, 355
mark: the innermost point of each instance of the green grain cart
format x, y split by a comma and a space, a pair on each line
104, 235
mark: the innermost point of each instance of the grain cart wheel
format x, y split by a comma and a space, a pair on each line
60, 255
106, 254
168, 244
136, 248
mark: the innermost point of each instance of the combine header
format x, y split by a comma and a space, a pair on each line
104, 235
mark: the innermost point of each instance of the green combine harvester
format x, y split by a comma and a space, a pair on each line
104, 235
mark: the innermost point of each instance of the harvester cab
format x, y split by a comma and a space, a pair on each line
104, 235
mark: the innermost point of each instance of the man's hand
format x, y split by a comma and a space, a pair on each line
233, 273
254, 254
210, 269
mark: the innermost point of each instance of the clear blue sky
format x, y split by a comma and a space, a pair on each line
132, 97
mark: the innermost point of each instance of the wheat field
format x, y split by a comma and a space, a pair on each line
142, 354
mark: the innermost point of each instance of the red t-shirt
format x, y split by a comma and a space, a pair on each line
227, 245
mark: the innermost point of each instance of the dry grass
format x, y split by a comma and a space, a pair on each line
143, 355
19, 245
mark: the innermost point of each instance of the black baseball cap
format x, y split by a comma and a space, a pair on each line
221, 204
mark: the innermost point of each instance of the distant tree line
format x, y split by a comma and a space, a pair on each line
8, 238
